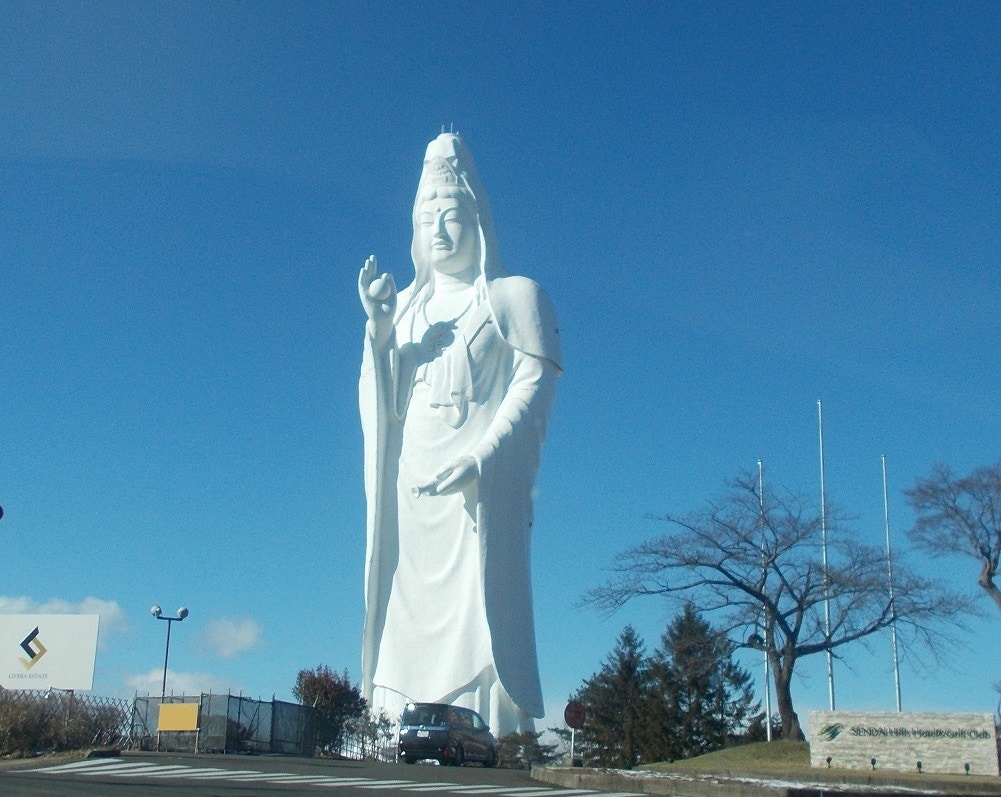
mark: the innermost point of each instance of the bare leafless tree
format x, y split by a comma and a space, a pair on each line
757, 566
961, 515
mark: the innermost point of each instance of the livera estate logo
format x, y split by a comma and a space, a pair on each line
832, 731
33, 646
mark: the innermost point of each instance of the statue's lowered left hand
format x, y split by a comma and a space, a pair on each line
456, 476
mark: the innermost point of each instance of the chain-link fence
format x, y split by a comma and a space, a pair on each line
33, 722
37, 722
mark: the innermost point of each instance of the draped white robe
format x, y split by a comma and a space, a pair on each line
449, 613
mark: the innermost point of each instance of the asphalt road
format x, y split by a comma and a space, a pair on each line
168, 775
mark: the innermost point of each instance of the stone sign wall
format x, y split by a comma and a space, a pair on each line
942, 743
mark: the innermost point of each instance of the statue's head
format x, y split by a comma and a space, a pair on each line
448, 233
453, 226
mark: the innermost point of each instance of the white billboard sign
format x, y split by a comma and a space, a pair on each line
39, 651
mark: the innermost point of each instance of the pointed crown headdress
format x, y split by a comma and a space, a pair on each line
439, 170
449, 163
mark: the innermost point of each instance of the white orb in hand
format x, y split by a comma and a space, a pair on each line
379, 289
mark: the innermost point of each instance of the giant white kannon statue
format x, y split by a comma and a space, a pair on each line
457, 384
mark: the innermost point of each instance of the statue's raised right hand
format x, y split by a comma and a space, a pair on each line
378, 297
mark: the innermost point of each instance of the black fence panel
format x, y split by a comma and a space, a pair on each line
229, 724
292, 729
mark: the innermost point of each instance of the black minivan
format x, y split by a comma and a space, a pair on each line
448, 734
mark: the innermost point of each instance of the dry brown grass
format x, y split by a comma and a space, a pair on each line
790, 761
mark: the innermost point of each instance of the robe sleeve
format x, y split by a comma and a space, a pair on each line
528, 400
376, 392
508, 460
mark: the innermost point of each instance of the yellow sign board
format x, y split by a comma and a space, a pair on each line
178, 717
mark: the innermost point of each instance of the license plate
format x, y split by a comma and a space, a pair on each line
423, 734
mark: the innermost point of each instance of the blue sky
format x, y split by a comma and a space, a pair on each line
737, 209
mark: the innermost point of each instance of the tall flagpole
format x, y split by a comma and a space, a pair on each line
823, 542
889, 578
767, 623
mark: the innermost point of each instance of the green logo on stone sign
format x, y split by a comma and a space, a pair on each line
832, 731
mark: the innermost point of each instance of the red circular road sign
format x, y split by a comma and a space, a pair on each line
574, 714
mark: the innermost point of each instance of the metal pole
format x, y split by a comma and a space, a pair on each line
889, 578
166, 655
823, 540
767, 624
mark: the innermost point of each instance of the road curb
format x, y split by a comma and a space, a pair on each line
646, 782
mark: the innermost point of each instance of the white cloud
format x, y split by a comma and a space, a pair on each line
178, 683
113, 619
227, 638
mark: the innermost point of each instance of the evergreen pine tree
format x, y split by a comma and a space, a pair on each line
617, 700
705, 699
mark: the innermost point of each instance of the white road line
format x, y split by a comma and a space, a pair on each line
157, 772
335, 781
526, 791
378, 784
92, 763
346, 779
212, 773
431, 787
279, 777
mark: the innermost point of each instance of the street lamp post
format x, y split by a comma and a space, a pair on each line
157, 612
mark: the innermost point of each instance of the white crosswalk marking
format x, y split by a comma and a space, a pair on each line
95, 763
348, 781
215, 774
526, 791
158, 772
138, 769
378, 784
296, 779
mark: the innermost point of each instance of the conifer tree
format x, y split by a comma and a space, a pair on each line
706, 698
618, 701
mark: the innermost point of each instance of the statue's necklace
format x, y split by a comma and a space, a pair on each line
451, 323
441, 334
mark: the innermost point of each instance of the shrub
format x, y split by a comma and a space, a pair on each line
32, 722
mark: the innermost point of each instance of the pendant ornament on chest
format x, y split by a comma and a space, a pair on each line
438, 337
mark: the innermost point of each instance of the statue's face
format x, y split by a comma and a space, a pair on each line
448, 235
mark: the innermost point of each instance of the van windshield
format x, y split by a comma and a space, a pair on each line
425, 715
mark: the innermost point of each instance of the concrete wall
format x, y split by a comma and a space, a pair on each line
943, 743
